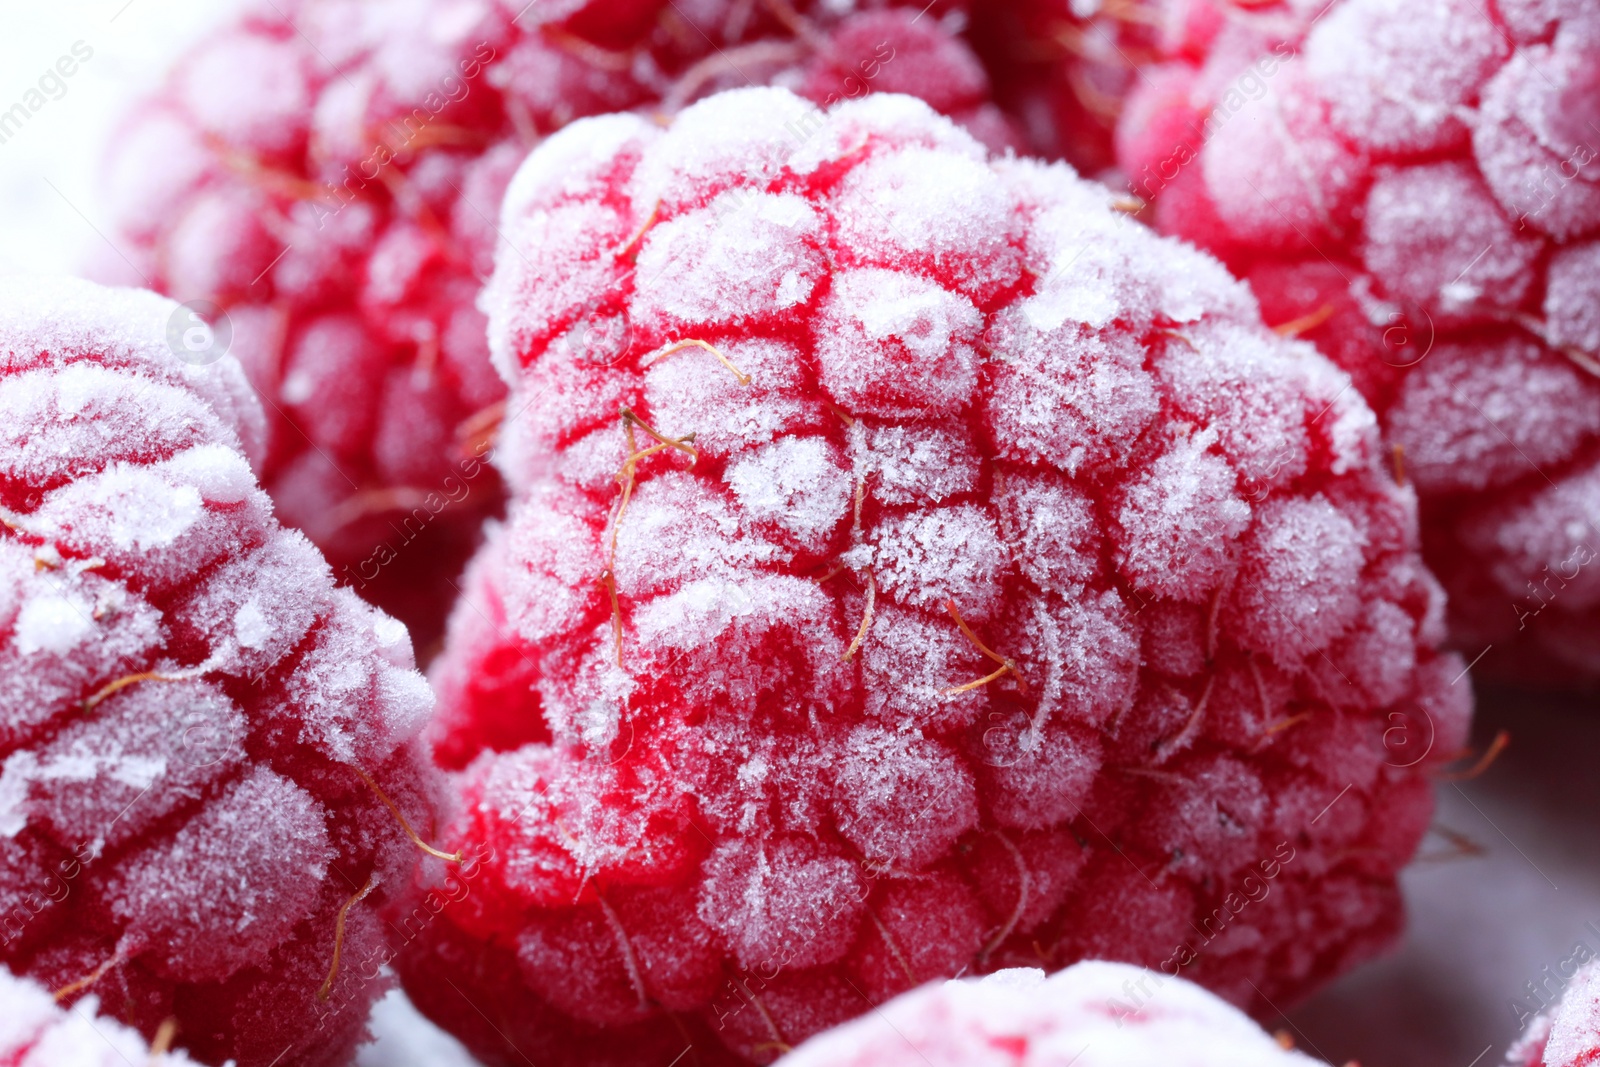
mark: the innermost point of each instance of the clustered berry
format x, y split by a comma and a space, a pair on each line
328, 173
1065, 67
913, 611
1091, 1014
934, 571
1415, 187
206, 747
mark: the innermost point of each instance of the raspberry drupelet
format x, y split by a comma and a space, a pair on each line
1567, 1034
36, 1032
210, 783
1094, 1014
1064, 68
328, 172
919, 569
1415, 187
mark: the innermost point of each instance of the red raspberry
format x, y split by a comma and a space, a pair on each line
1066, 68
1568, 1034
35, 1032
969, 578
192, 710
329, 172
1416, 188
1094, 1014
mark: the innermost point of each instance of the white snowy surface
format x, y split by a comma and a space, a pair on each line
405, 1039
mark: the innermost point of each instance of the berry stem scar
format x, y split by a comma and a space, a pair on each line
404, 825
1006, 666
338, 936
680, 346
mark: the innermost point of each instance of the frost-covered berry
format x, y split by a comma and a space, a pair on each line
328, 173
36, 1032
1414, 185
1568, 1034
205, 746
1065, 67
1094, 1014
940, 572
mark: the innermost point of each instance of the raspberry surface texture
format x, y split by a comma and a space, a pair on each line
939, 572
1568, 1034
327, 174
204, 745
1095, 1014
36, 1032
1415, 187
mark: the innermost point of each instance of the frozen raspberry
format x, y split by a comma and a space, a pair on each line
36, 1032
205, 746
942, 572
1095, 1014
1568, 1034
1065, 67
1415, 187
329, 172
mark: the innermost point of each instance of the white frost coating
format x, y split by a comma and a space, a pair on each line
251, 627
53, 622
1399, 74
142, 581
1084, 1015
743, 257
14, 780
933, 211
696, 614
797, 484
1569, 1030
122, 328
914, 464
233, 904
218, 473
689, 392
37, 1032
724, 141
904, 121
1182, 519
896, 344
568, 159
926, 558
